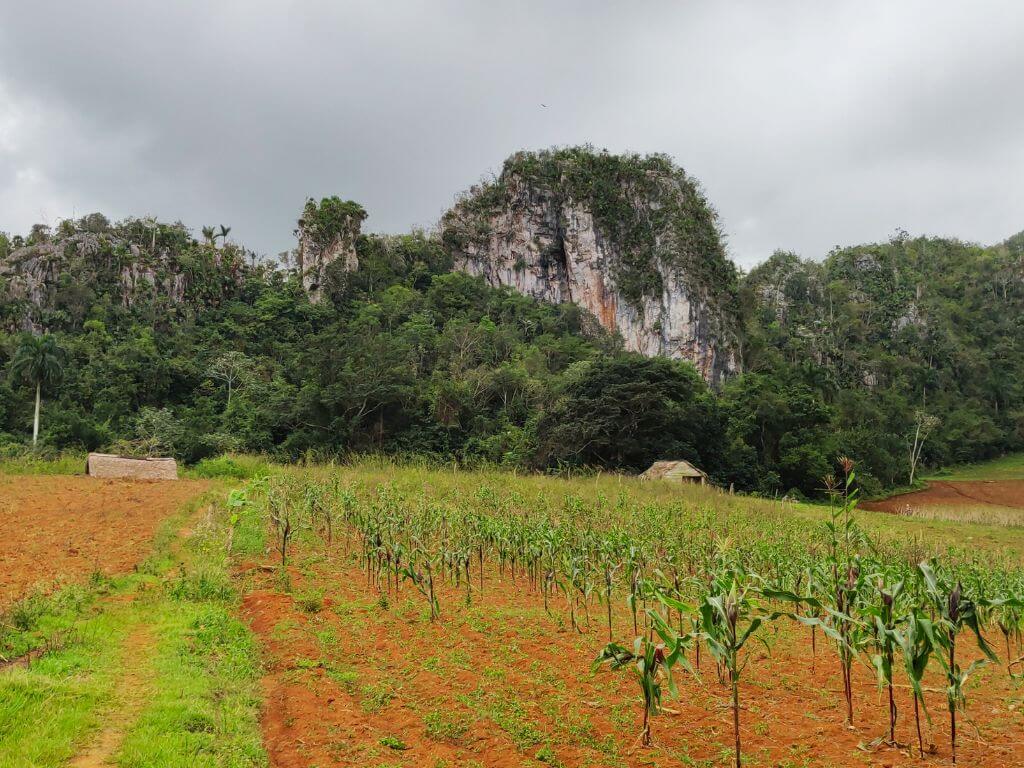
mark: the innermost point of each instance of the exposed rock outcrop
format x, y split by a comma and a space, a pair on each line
629, 238
54, 281
327, 235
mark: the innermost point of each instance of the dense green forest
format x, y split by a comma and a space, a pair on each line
169, 343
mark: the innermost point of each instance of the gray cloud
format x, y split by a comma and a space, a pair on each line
809, 124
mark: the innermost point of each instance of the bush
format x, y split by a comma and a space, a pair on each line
235, 467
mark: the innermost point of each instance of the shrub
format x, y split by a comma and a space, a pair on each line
234, 467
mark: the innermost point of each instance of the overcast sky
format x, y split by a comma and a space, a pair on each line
810, 124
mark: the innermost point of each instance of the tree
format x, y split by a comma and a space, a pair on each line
233, 368
153, 225
157, 431
209, 235
223, 234
627, 411
38, 361
924, 425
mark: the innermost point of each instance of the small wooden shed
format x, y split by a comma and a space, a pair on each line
122, 467
677, 471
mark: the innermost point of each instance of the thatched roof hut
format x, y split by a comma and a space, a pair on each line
678, 471
109, 465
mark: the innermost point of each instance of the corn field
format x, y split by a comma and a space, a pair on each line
672, 591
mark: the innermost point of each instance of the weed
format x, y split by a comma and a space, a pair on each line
310, 601
445, 726
393, 742
376, 696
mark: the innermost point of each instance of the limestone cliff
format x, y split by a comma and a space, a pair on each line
327, 234
629, 238
55, 279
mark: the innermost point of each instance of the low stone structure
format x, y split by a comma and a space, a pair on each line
111, 466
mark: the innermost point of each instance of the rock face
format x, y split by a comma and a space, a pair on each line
327, 235
56, 280
628, 238
51, 276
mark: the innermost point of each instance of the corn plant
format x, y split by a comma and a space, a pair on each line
280, 516
845, 540
1009, 619
238, 500
886, 641
914, 638
687, 579
954, 611
729, 618
420, 571
650, 664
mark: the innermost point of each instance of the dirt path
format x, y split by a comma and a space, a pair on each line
129, 699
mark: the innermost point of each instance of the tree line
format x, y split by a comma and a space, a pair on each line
900, 355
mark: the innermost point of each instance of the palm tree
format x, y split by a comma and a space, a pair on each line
151, 223
224, 234
209, 235
39, 361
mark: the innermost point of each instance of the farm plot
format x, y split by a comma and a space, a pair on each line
992, 502
442, 620
359, 678
60, 529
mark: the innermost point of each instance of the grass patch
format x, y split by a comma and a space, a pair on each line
393, 742
201, 704
310, 601
1009, 467
972, 514
376, 696
48, 708
19, 460
203, 711
231, 467
509, 714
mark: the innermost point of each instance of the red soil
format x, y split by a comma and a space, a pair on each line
1000, 493
59, 529
512, 679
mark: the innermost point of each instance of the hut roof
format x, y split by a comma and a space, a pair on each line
109, 465
672, 470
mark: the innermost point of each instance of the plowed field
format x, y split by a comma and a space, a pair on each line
59, 529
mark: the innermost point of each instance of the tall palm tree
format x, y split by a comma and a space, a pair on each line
39, 361
224, 235
209, 235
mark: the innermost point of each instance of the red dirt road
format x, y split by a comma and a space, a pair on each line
999, 493
59, 529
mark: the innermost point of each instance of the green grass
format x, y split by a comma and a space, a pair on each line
48, 709
203, 711
1009, 467
236, 467
24, 461
446, 726
200, 666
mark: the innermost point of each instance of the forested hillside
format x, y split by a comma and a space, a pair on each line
883, 338
172, 343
